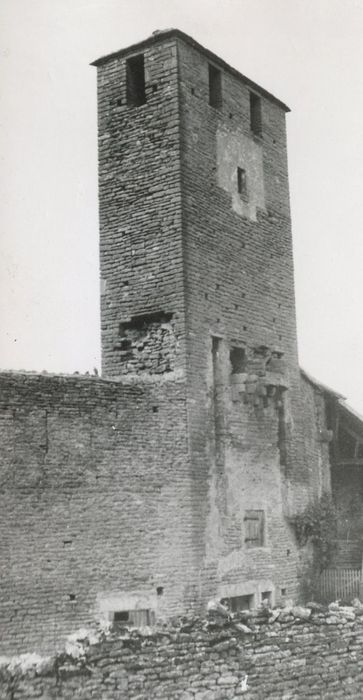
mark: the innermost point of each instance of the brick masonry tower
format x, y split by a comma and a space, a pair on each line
197, 288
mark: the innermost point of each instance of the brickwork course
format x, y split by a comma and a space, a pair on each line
171, 479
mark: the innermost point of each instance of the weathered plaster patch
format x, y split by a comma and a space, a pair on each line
234, 151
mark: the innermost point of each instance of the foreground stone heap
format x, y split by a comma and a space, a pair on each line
276, 654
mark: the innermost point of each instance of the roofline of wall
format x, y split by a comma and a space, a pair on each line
340, 400
322, 387
351, 412
124, 380
162, 35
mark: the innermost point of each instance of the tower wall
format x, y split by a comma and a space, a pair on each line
247, 447
142, 297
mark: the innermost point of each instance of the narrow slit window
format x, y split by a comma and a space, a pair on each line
135, 81
242, 182
215, 87
216, 360
255, 114
254, 523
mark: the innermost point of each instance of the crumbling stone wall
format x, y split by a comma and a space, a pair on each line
280, 655
147, 344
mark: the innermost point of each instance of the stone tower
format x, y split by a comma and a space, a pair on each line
170, 479
198, 289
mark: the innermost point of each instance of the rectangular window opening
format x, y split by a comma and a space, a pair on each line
255, 114
240, 602
134, 618
242, 182
215, 87
135, 81
237, 357
254, 522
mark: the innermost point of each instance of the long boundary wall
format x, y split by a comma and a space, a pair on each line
275, 654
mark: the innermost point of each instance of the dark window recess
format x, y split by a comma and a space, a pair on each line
215, 87
160, 590
240, 602
237, 357
242, 182
254, 522
134, 618
255, 114
121, 616
135, 81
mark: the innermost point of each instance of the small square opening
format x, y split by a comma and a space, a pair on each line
215, 87
135, 81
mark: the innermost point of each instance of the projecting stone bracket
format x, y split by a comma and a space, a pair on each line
258, 390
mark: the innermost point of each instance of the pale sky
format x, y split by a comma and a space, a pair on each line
309, 53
